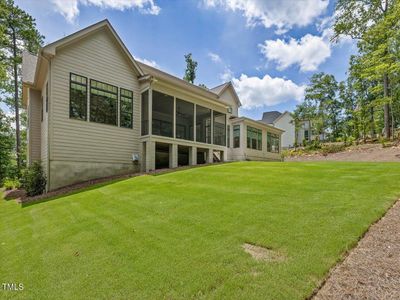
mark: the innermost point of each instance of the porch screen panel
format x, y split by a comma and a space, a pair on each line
145, 113
163, 114
203, 124
184, 120
219, 128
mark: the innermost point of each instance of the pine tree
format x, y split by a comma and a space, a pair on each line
18, 33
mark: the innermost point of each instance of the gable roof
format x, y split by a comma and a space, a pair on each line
220, 89
284, 113
154, 72
51, 48
269, 117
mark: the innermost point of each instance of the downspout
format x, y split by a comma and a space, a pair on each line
48, 120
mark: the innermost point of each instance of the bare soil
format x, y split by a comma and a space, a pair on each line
372, 268
365, 152
262, 253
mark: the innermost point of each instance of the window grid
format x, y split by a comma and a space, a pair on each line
126, 108
103, 103
254, 138
78, 97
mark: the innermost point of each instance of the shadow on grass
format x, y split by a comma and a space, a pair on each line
70, 193
87, 186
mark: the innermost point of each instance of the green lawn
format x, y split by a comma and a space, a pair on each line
179, 235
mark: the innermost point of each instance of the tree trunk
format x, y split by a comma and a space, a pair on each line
372, 120
386, 107
16, 105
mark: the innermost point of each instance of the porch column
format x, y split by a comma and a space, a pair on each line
224, 156
173, 155
193, 156
210, 156
150, 159
150, 111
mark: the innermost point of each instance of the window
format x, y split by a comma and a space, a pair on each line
306, 135
254, 138
273, 142
236, 136
203, 124
78, 97
219, 121
163, 114
229, 137
184, 120
47, 96
103, 102
126, 108
145, 112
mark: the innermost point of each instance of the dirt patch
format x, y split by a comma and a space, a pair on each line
262, 253
365, 152
372, 268
14, 194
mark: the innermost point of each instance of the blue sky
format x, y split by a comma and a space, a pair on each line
268, 48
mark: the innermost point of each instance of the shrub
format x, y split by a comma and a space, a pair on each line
10, 184
313, 145
33, 179
332, 148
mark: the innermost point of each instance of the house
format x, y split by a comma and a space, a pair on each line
292, 136
94, 111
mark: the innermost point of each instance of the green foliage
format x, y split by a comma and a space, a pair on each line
312, 145
18, 33
11, 184
6, 146
191, 66
375, 24
33, 179
332, 148
367, 104
322, 106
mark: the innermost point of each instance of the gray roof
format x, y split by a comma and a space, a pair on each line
270, 116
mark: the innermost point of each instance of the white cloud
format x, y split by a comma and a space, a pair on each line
283, 14
70, 8
257, 92
151, 63
214, 57
308, 52
227, 75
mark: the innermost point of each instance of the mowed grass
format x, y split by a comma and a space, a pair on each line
180, 235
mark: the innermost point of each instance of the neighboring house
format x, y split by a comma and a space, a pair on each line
285, 121
95, 111
304, 132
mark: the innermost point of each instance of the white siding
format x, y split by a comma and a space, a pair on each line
44, 128
34, 128
285, 122
95, 57
228, 97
